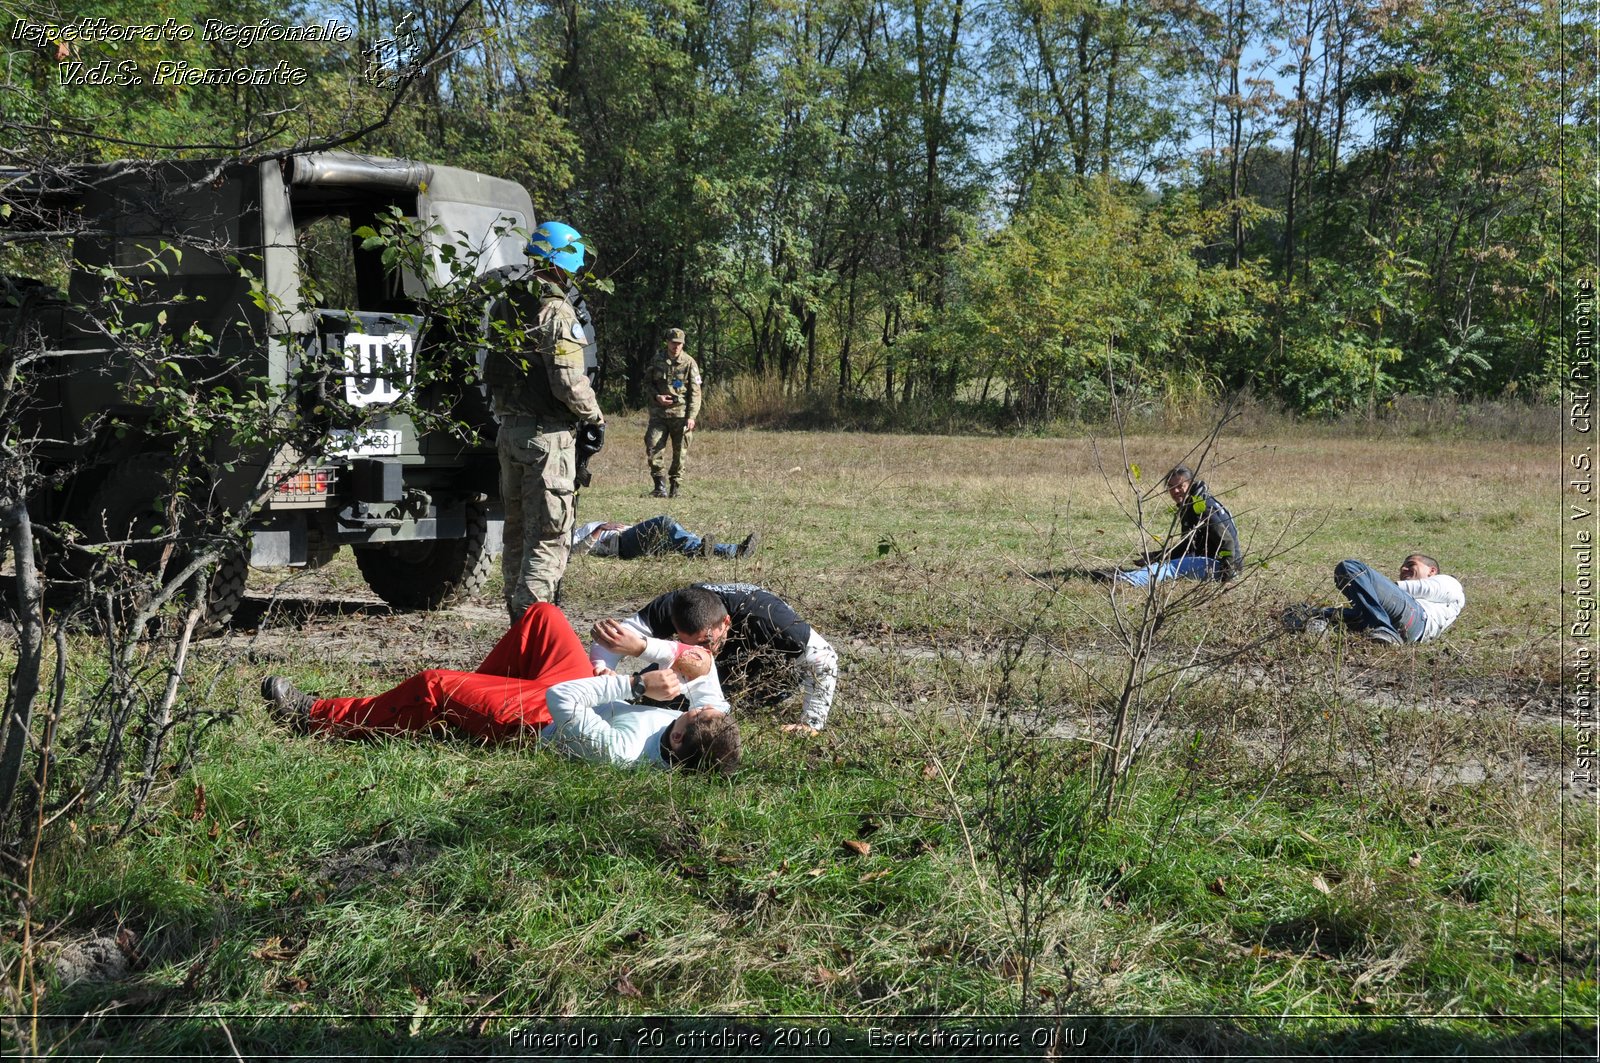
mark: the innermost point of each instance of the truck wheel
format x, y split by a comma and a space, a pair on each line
128, 505
431, 573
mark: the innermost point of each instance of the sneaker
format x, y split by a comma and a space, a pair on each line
707, 548
288, 703
1383, 635
1316, 625
749, 545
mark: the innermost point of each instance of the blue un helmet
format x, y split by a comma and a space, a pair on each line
559, 244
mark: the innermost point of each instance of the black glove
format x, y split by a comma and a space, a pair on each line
591, 440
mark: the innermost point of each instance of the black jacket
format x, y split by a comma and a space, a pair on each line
1208, 531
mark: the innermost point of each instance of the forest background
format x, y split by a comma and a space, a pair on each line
904, 207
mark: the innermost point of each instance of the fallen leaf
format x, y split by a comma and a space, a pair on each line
825, 976
814, 872
860, 848
930, 770
873, 876
1415, 860
1218, 887
199, 812
1320, 884
624, 987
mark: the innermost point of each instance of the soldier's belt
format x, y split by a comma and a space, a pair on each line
542, 424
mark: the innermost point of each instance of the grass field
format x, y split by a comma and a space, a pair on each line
1326, 846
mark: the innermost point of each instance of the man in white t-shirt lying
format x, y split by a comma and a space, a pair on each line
1416, 608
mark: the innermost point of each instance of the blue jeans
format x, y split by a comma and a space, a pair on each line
1177, 568
1377, 602
659, 535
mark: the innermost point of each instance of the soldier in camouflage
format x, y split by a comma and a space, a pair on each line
674, 385
541, 395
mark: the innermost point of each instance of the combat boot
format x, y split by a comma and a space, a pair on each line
660, 490
672, 492
286, 702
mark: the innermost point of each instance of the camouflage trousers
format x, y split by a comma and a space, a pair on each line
657, 437
537, 463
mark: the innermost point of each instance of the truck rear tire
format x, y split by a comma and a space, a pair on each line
431, 573
128, 504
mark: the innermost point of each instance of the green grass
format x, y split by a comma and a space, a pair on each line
1296, 850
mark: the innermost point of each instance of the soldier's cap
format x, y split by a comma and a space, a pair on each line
674, 335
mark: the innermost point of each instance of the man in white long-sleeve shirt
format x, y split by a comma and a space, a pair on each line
751, 630
538, 680
1416, 608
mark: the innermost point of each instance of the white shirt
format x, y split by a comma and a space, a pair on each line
592, 720
1441, 599
598, 538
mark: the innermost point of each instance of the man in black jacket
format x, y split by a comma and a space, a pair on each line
1208, 542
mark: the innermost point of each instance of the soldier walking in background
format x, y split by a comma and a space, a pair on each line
535, 373
674, 385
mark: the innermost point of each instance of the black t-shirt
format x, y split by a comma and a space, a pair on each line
761, 620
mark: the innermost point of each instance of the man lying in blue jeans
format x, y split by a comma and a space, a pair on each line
658, 535
1419, 607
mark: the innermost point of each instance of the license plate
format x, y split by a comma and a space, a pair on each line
367, 443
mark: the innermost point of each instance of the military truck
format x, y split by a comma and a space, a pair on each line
266, 262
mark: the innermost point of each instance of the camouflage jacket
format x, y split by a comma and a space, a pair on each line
679, 378
535, 362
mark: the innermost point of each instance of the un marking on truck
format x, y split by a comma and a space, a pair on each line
377, 368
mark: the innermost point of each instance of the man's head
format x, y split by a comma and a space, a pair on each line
1178, 481
703, 739
700, 618
674, 340
1418, 566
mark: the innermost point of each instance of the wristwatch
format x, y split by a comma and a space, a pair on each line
638, 685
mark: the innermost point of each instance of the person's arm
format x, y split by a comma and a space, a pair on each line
819, 678
581, 731
563, 359
656, 385
707, 690
691, 391
1226, 534
605, 657
578, 729
1437, 588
